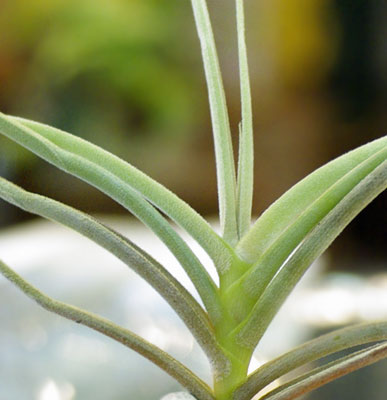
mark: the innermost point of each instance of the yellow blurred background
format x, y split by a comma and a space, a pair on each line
127, 75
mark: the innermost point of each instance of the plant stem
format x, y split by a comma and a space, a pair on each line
225, 386
239, 357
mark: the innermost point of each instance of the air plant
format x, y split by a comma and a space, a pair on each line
258, 264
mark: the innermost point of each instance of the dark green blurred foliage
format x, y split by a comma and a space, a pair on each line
353, 79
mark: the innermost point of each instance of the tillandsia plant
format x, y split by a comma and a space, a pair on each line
258, 265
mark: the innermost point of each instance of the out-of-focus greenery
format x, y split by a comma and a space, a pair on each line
127, 75
89, 65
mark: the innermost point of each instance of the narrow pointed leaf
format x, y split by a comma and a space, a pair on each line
261, 273
110, 183
163, 360
225, 168
318, 240
157, 194
327, 373
315, 349
137, 259
246, 145
283, 212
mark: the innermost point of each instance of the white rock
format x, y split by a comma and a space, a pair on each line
178, 396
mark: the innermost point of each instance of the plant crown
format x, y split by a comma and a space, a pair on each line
258, 265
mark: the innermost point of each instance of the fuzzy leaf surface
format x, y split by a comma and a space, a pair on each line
246, 143
251, 330
287, 209
315, 349
225, 167
92, 169
327, 373
179, 211
256, 279
163, 360
137, 259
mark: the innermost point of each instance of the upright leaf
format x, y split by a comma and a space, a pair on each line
318, 240
225, 167
254, 282
283, 212
246, 144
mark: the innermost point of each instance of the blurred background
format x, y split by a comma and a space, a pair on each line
127, 75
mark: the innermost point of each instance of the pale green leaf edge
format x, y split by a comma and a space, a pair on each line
284, 211
327, 373
255, 280
92, 172
178, 210
134, 257
251, 330
225, 167
245, 181
312, 350
163, 360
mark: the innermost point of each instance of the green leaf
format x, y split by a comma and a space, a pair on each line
163, 360
283, 212
137, 259
246, 144
327, 373
91, 168
225, 167
317, 241
315, 349
254, 282
157, 194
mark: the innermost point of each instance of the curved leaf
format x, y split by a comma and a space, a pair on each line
111, 183
163, 360
318, 240
256, 279
137, 259
315, 349
283, 212
327, 373
46, 142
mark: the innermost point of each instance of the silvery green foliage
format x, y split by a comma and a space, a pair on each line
258, 265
